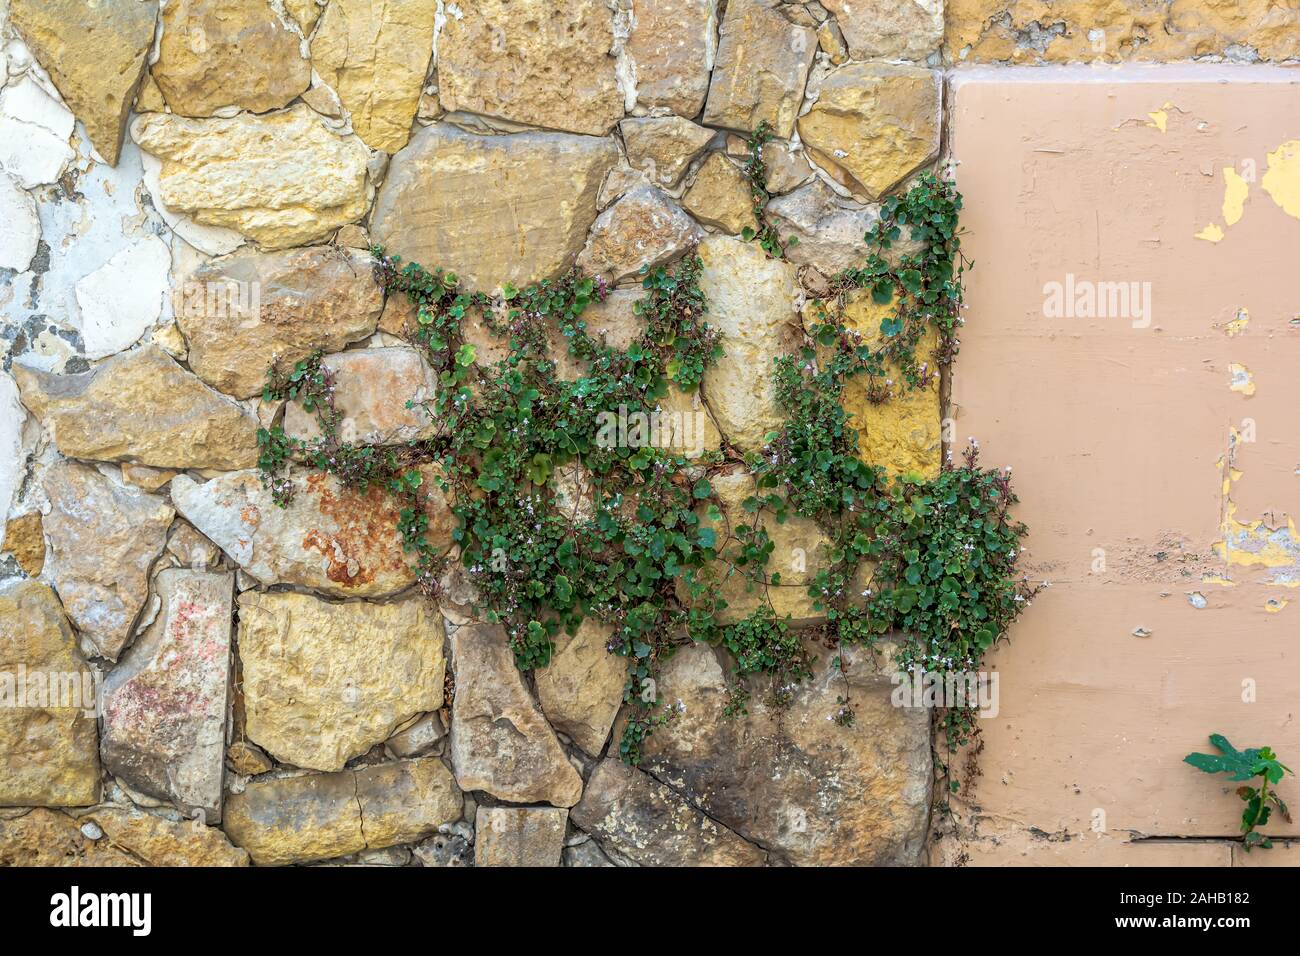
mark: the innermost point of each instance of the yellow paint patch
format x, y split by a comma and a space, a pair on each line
1273, 605
1282, 181
1235, 191
1211, 233
1160, 118
1238, 325
902, 434
1242, 379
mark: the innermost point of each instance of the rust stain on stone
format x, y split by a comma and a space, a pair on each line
365, 543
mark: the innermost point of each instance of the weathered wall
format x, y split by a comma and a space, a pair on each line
190, 191
155, 153
1156, 446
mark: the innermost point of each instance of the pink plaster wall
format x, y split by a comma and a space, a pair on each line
1120, 437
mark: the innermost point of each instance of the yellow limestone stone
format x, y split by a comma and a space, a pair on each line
325, 682
375, 53
904, 433
283, 179
720, 196
878, 123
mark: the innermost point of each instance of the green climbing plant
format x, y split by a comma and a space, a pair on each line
563, 511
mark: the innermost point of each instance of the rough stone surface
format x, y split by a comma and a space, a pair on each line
247, 310
103, 539
149, 479
877, 122
141, 407
587, 853
95, 54
50, 838
519, 836
123, 297
13, 460
375, 53
1026, 31
493, 209
329, 538
35, 129
219, 53
20, 227
800, 549
830, 229
787, 167
644, 822
248, 759
371, 389
613, 322
889, 29
905, 434
25, 540
720, 196
686, 426
157, 841
499, 740
762, 66
281, 179
581, 688
534, 62
417, 738
324, 683
165, 704
812, 792
307, 13
321, 816
644, 228
48, 754
662, 147
751, 302
670, 51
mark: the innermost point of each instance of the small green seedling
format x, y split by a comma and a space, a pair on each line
1246, 765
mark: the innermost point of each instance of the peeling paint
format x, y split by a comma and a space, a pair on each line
1242, 379
1160, 118
1235, 191
1211, 233
1282, 181
1239, 324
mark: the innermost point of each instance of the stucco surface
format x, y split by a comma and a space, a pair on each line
1144, 491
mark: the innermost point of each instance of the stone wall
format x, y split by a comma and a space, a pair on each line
273, 688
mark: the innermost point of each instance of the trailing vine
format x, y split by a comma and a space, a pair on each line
755, 170
560, 517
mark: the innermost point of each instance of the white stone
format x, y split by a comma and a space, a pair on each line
12, 414
123, 297
32, 154
20, 228
34, 132
25, 100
